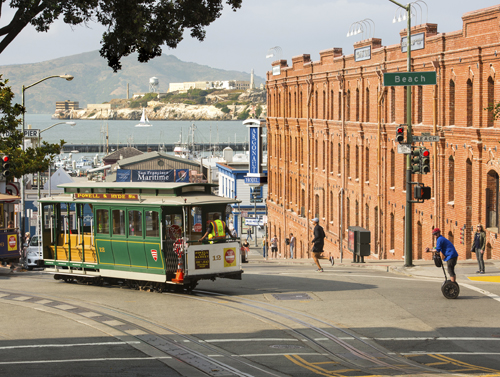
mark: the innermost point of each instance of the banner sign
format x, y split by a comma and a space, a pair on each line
363, 53
123, 175
106, 196
254, 150
182, 175
417, 42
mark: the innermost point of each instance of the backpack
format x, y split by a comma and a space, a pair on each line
437, 260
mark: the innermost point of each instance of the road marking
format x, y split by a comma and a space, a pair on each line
67, 345
463, 364
21, 298
84, 360
64, 307
413, 353
490, 279
482, 291
113, 323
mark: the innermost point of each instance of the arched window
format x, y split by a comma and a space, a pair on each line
316, 100
367, 216
339, 159
393, 169
347, 213
367, 102
419, 104
324, 116
492, 188
357, 105
393, 104
470, 104
316, 205
451, 179
367, 164
340, 106
331, 104
451, 103
348, 160
357, 214
391, 239
491, 101
356, 173
348, 106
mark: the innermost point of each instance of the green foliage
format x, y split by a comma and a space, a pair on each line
31, 160
245, 114
258, 111
141, 26
223, 107
494, 109
142, 101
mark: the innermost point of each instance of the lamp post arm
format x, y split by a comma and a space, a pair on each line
48, 128
39, 81
399, 5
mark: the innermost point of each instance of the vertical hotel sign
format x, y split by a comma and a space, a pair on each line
255, 177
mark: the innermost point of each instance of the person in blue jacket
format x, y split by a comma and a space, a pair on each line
446, 248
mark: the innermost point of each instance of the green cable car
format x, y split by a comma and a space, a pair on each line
141, 234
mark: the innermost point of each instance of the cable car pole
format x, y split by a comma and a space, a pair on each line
408, 210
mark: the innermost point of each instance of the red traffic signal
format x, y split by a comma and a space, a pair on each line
400, 134
5, 166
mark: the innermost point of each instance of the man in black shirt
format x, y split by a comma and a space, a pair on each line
318, 242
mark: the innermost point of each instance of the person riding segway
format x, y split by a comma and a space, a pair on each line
444, 247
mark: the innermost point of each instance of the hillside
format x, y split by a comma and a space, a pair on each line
95, 82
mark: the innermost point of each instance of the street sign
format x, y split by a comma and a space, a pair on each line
409, 78
256, 200
404, 148
424, 138
31, 134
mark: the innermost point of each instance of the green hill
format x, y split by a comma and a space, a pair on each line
95, 82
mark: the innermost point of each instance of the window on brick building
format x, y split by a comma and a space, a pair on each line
492, 189
301, 151
348, 160
339, 117
302, 203
324, 155
331, 104
367, 164
470, 104
357, 105
323, 205
420, 95
451, 179
367, 103
300, 105
316, 100
356, 172
279, 105
324, 116
316, 154
367, 216
289, 104
331, 206
331, 157
393, 104
295, 105
451, 103
347, 213
357, 214
348, 106
451, 238
339, 159
296, 150
491, 101
375, 230
316, 206
393, 169
392, 236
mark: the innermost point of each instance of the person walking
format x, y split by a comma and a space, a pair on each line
478, 246
446, 248
318, 242
249, 234
292, 245
274, 247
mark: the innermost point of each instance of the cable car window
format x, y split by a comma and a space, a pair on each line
48, 211
102, 221
118, 216
152, 224
195, 219
135, 223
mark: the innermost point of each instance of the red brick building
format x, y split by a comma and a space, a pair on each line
332, 151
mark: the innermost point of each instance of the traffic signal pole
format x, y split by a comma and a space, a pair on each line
408, 210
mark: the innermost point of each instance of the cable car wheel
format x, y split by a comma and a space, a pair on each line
450, 289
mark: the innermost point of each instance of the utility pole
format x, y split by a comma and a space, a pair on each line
408, 210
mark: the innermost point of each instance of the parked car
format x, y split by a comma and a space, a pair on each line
34, 255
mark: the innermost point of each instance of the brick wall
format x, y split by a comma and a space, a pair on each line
320, 111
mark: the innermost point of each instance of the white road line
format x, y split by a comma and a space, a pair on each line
482, 291
439, 338
67, 345
413, 353
416, 339
83, 360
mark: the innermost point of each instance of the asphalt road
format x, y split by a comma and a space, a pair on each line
279, 320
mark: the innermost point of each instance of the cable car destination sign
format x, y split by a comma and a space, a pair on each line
410, 78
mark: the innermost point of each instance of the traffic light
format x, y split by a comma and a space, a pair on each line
400, 133
421, 192
5, 166
425, 161
415, 161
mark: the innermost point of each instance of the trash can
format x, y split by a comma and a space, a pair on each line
359, 243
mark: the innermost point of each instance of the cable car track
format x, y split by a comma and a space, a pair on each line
372, 360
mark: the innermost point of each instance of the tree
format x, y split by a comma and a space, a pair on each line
141, 26
32, 159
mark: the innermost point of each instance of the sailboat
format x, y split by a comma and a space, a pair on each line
144, 122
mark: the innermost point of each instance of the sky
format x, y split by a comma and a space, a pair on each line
241, 40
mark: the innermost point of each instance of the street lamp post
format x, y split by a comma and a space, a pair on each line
409, 140
23, 203
39, 222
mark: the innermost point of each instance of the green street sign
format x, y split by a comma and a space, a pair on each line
409, 78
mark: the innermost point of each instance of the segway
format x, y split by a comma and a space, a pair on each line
449, 288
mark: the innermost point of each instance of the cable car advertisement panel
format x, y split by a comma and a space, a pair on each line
212, 258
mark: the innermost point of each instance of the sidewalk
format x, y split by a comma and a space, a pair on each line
420, 268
